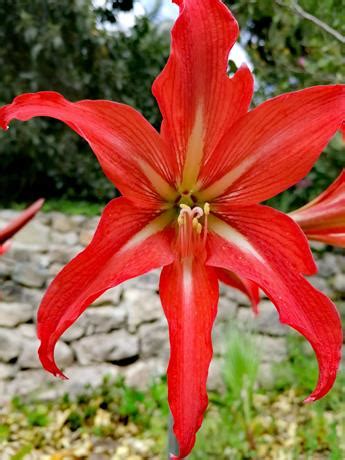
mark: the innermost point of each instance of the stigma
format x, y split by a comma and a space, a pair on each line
192, 229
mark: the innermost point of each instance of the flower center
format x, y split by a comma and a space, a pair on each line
192, 231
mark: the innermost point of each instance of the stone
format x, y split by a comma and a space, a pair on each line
111, 296
7, 371
149, 281
116, 346
215, 380
34, 233
227, 309
12, 314
265, 377
321, 284
104, 319
27, 331
142, 305
338, 283
28, 358
270, 349
10, 344
142, 374
32, 296
62, 223
69, 239
6, 268
85, 236
235, 296
28, 382
154, 340
60, 254
74, 332
266, 322
328, 265
79, 376
220, 338
55, 268
29, 275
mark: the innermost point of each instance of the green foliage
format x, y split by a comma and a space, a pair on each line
59, 46
290, 52
64, 46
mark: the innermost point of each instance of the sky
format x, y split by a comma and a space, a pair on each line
167, 13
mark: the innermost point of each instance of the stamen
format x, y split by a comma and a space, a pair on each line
207, 210
191, 239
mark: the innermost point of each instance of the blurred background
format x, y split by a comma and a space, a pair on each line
105, 49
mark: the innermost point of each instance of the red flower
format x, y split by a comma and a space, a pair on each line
18, 223
190, 203
323, 219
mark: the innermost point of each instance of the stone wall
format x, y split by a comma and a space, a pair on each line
124, 332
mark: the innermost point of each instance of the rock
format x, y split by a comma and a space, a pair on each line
266, 322
55, 268
34, 233
338, 283
220, 338
61, 254
12, 314
227, 309
328, 265
76, 331
85, 236
27, 331
148, 281
29, 381
321, 284
29, 275
154, 340
78, 377
215, 381
6, 268
104, 319
69, 239
114, 347
141, 374
10, 344
7, 371
266, 376
142, 305
111, 296
32, 296
270, 349
61, 223
28, 358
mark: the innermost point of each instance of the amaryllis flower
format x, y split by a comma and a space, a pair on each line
13, 227
189, 203
323, 219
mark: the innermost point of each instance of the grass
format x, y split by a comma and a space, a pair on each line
245, 422
66, 206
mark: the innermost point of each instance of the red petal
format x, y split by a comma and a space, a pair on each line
129, 150
198, 101
189, 294
274, 146
323, 219
20, 221
250, 289
266, 246
127, 243
4, 247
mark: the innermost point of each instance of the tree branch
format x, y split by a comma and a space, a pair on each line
304, 14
